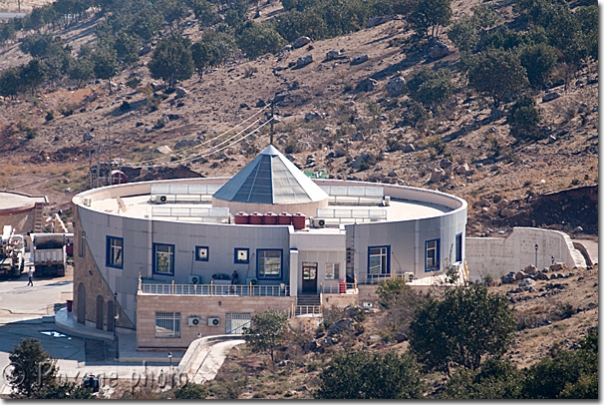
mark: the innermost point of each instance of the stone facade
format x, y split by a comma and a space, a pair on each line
202, 306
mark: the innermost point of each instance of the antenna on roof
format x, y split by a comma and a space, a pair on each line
272, 115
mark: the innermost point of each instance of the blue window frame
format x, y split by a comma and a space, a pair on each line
269, 263
242, 255
202, 253
432, 255
163, 259
114, 256
458, 250
378, 260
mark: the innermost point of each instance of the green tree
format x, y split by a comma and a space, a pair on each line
430, 87
467, 325
259, 39
523, 118
498, 74
37, 45
173, 10
171, 60
201, 53
126, 47
32, 369
496, 379
391, 291
430, 13
370, 375
105, 65
11, 83
191, 391
539, 62
33, 75
570, 374
463, 34
205, 13
294, 24
81, 71
266, 332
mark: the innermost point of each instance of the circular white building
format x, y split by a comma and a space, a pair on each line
163, 253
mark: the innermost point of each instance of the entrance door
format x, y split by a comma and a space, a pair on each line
236, 323
309, 278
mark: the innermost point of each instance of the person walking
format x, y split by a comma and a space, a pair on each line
30, 274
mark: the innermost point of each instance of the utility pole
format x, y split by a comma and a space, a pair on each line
272, 115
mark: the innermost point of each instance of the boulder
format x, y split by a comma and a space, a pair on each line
395, 86
550, 96
333, 54
530, 269
527, 284
462, 169
304, 60
400, 337
300, 42
558, 266
185, 143
260, 103
365, 157
541, 276
180, 92
339, 326
445, 164
313, 115
358, 137
375, 21
366, 85
286, 48
407, 148
164, 150
359, 59
520, 275
439, 50
437, 175
508, 278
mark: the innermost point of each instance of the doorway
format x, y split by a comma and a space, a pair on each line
309, 278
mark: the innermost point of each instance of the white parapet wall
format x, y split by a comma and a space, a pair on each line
499, 256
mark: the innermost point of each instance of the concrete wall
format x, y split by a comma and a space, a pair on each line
499, 256
308, 208
201, 306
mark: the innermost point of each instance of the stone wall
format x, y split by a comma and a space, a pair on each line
200, 306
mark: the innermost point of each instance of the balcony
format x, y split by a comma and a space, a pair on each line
281, 290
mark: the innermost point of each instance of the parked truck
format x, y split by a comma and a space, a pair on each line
12, 252
49, 254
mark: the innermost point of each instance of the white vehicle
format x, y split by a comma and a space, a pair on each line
12, 250
49, 254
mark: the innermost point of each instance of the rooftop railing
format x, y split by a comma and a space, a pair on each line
281, 290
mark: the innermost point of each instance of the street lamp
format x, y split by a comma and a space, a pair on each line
536, 249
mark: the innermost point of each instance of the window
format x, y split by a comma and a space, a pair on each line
115, 252
163, 259
202, 253
379, 260
458, 247
269, 263
82, 247
433, 255
167, 324
332, 271
242, 255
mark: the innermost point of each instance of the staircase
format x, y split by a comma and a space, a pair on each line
38, 219
308, 304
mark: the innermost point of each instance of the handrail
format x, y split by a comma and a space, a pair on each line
216, 289
334, 288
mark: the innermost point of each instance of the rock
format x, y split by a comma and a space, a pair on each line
407, 148
286, 48
164, 150
260, 103
551, 139
180, 92
359, 59
400, 337
520, 275
304, 60
558, 266
550, 96
592, 305
541, 276
313, 346
445, 164
366, 85
185, 143
340, 152
530, 269
375, 21
339, 326
578, 229
303, 388
365, 157
313, 115
145, 49
395, 86
437, 175
527, 283
462, 169
333, 54
508, 278
300, 42
439, 50
358, 137
553, 276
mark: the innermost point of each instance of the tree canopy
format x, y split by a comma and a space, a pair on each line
172, 60
266, 332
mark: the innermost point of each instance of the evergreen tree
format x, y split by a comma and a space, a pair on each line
171, 60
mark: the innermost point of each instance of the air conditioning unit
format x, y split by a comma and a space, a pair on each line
159, 199
367, 304
194, 279
318, 222
408, 276
386, 201
194, 321
213, 321
87, 201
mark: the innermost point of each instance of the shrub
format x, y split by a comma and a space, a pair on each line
523, 118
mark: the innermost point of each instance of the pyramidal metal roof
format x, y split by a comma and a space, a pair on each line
270, 179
